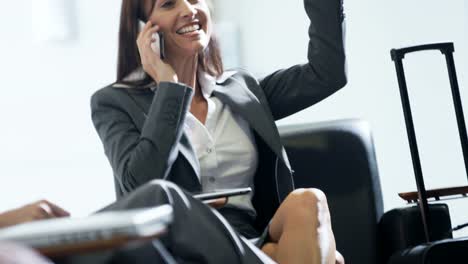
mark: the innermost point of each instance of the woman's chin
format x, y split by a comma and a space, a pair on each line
191, 51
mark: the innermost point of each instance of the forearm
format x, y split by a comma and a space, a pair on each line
291, 90
326, 53
5, 220
138, 155
164, 122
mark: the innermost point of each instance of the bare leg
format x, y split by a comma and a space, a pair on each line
270, 249
339, 258
302, 230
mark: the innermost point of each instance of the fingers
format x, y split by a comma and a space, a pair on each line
56, 210
148, 24
150, 55
44, 210
37, 211
146, 39
153, 39
145, 28
146, 35
217, 203
152, 30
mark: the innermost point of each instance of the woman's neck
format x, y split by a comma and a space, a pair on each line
185, 68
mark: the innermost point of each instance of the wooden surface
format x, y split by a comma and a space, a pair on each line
462, 191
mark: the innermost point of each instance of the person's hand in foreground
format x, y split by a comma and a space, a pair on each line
39, 210
217, 203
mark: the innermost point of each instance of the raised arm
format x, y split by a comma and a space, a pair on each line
291, 90
138, 156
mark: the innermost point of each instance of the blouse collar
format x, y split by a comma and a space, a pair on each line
207, 82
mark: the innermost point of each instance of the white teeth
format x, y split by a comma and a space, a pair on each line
188, 29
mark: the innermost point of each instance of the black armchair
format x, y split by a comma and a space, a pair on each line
338, 157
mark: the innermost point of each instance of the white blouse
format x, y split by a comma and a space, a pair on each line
225, 146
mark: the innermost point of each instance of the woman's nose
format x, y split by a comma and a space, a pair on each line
188, 10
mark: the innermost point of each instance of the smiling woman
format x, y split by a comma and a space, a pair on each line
185, 120
155, 12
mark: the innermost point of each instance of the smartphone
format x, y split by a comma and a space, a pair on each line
158, 45
222, 193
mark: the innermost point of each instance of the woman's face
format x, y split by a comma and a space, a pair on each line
186, 24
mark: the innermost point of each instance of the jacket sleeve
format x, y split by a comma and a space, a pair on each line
139, 157
291, 90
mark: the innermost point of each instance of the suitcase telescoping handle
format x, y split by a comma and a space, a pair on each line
397, 56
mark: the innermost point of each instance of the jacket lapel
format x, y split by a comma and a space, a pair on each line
185, 147
241, 100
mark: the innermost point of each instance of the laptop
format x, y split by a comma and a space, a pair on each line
63, 233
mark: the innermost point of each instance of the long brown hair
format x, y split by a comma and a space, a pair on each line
129, 60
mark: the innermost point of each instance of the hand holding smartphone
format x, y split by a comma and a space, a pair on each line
152, 54
158, 45
222, 193
217, 203
219, 198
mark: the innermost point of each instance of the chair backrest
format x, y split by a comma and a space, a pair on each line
338, 157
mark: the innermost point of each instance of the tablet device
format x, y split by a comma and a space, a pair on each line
222, 193
65, 234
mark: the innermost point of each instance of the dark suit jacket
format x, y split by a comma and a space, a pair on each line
142, 133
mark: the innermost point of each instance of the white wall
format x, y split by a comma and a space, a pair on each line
49, 149
48, 146
278, 37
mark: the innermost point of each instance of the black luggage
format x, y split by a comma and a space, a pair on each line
401, 228
440, 252
415, 232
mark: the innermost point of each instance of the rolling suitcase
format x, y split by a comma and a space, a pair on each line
436, 244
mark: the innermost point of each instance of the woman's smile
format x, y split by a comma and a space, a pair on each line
187, 25
189, 29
